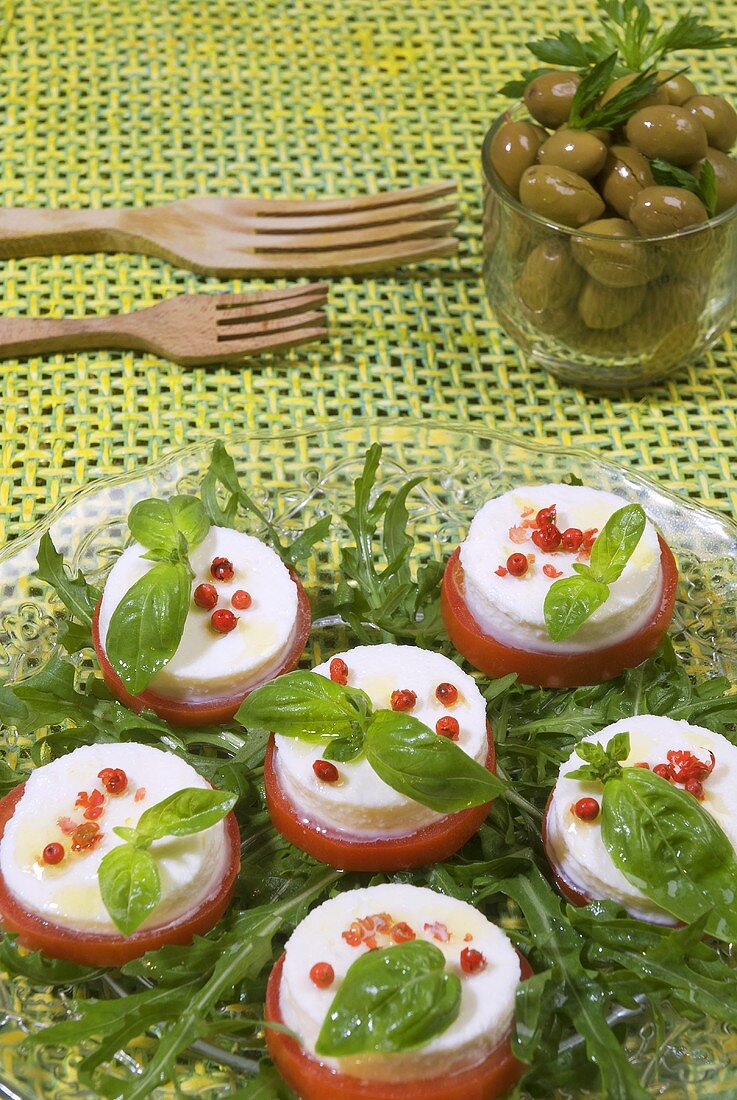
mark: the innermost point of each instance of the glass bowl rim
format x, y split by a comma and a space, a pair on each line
570, 231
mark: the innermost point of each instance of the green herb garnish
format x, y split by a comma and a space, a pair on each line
572, 600
703, 185
391, 1000
76, 593
408, 756
128, 875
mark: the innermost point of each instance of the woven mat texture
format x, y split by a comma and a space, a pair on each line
110, 102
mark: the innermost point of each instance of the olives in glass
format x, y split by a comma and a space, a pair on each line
514, 148
626, 171
676, 86
576, 150
549, 96
725, 171
717, 116
658, 211
560, 196
608, 254
604, 307
671, 133
550, 276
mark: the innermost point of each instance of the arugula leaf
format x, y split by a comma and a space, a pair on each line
79, 597
427, 767
306, 705
704, 186
130, 886
47, 698
667, 845
147, 625
391, 1000
39, 969
221, 473
185, 812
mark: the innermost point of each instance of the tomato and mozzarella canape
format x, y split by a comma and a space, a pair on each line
467, 1057
343, 813
692, 758
519, 544
56, 829
248, 621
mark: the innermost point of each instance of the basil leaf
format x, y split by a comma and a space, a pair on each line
667, 845
425, 766
586, 773
147, 625
187, 811
618, 747
161, 525
569, 602
343, 749
79, 597
616, 543
391, 1000
130, 886
305, 705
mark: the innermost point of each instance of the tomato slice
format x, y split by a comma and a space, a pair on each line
553, 670
113, 949
180, 712
570, 892
312, 1080
359, 853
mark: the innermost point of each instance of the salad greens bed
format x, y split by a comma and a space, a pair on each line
587, 962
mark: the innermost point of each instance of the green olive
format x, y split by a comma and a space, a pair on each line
560, 196
550, 277
659, 211
651, 100
549, 96
514, 148
725, 170
672, 133
717, 116
616, 256
609, 307
606, 137
677, 87
575, 150
625, 173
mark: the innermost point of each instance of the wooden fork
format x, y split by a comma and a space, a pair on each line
191, 329
238, 236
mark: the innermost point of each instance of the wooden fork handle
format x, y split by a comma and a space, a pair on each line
21, 336
39, 231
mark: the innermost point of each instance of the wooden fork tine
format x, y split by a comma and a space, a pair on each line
244, 327
281, 294
361, 202
400, 212
292, 307
237, 349
327, 240
354, 261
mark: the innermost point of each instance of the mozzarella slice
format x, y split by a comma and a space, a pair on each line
487, 1002
68, 893
361, 803
577, 846
208, 665
511, 608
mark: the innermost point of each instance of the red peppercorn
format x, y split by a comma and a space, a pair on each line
547, 538
114, 780
500, 571
402, 933
589, 537
222, 569
339, 670
517, 564
447, 726
403, 699
241, 599
587, 809
447, 694
663, 770
84, 836
323, 975
546, 516
206, 596
571, 539
472, 961
223, 621
53, 854
326, 771
550, 571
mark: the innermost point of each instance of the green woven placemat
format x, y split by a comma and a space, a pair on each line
139, 101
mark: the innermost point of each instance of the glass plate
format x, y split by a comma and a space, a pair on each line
300, 476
